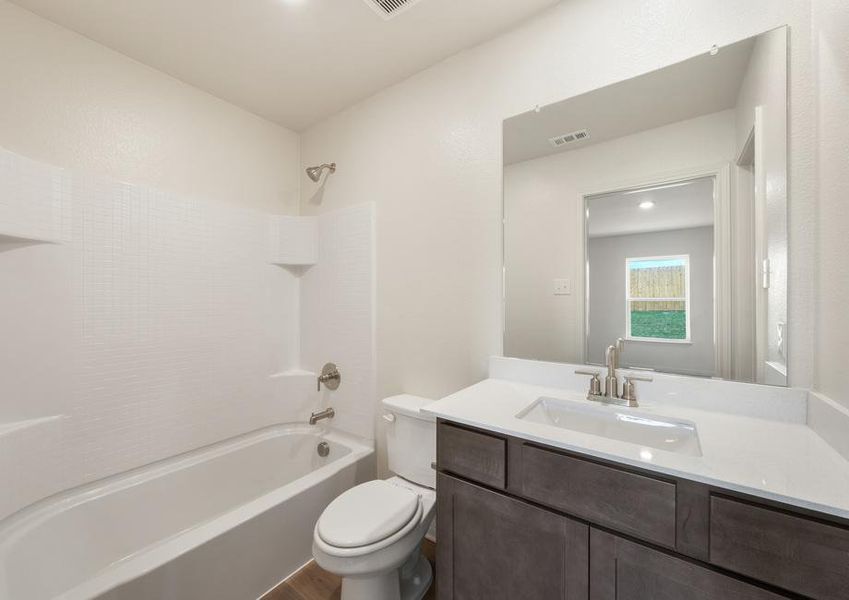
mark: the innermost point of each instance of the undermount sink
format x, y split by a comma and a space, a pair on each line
618, 423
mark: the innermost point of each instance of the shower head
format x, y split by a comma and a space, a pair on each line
314, 173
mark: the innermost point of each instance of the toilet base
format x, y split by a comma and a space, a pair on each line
410, 582
416, 581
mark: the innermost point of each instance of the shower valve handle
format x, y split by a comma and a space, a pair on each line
330, 377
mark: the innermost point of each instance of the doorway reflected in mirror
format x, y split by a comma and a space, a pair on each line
655, 210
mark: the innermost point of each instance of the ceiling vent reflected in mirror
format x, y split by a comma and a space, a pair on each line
677, 238
569, 138
390, 8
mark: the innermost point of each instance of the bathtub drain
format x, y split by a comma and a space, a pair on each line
323, 449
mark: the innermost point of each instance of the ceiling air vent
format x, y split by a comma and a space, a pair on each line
568, 138
390, 8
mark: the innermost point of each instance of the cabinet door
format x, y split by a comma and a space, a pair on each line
789, 551
494, 547
624, 570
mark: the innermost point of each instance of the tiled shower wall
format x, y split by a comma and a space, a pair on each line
337, 314
149, 325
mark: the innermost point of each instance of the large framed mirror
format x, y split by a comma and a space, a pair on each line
652, 213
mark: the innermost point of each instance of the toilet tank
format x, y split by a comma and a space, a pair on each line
410, 439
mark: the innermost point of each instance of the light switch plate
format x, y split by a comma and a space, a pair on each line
562, 287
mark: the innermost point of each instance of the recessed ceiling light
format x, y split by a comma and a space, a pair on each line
646, 204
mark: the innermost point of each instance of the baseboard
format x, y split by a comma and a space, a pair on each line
270, 591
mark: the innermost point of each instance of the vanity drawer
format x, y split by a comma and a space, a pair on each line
630, 503
798, 554
471, 454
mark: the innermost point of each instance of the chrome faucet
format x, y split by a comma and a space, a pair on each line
327, 413
611, 358
611, 382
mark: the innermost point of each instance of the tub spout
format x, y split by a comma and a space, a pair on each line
327, 413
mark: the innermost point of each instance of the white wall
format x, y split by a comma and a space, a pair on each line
337, 315
542, 230
70, 102
606, 256
765, 87
150, 325
428, 152
153, 324
831, 52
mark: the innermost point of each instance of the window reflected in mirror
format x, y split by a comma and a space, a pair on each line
655, 210
657, 299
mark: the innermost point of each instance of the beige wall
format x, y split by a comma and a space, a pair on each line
74, 103
765, 88
831, 52
428, 152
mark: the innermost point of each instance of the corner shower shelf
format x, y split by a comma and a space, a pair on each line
10, 427
294, 373
19, 238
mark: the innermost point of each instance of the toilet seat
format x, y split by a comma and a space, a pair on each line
367, 515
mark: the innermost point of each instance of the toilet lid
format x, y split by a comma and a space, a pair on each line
367, 514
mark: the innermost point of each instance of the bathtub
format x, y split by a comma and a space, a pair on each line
226, 522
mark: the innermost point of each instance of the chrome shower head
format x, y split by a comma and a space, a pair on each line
314, 173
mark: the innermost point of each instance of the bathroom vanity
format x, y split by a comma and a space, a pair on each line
646, 241
537, 510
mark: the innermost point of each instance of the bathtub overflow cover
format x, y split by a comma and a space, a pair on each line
323, 449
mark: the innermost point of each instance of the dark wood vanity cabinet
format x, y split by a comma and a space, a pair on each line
502, 548
519, 520
621, 569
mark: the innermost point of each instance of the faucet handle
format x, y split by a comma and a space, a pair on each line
595, 382
638, 378
629, 390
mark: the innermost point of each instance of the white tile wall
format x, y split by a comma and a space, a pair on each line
293, 240
337, 315
156, 326
33, 199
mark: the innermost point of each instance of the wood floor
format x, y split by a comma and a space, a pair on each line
314, 583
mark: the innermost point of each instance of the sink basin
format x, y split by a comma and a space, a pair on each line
618, 423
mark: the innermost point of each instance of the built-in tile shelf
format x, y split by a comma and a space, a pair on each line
294, 374
293, 241
10, 427
8, 238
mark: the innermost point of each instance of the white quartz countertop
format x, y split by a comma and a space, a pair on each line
773, 459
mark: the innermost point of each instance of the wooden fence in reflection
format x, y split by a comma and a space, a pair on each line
658, 282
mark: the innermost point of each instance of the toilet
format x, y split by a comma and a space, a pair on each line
371, 535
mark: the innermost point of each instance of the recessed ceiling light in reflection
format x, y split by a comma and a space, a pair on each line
646, 204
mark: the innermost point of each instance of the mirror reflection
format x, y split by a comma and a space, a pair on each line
651, 214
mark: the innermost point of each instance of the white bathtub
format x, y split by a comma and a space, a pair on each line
227, 522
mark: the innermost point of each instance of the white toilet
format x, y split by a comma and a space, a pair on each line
371, 535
